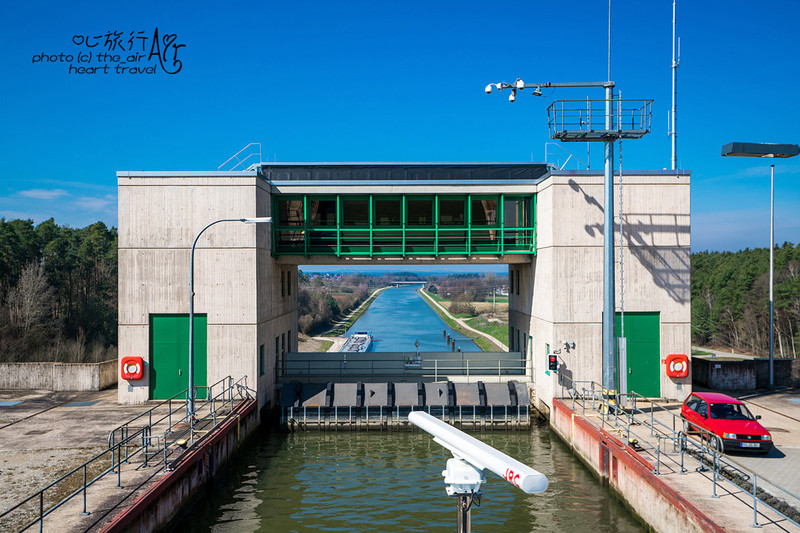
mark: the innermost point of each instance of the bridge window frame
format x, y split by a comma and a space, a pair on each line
366, 235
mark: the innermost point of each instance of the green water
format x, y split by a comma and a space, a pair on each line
384, 482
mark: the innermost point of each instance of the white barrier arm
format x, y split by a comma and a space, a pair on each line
479, 454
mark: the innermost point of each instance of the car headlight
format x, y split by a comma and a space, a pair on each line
729, 435
766, 437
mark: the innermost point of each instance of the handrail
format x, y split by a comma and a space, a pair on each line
138, 440
709, 448
406, 366
242, 161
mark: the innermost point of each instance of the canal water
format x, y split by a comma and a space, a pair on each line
399, 317
373, 481
387, 482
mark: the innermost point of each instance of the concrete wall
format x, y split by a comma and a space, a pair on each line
237, 282
58, 376
560, 292
724, 375
744, 375
786, 373
557, 294
655, 502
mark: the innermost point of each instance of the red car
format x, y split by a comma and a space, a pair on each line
727, 418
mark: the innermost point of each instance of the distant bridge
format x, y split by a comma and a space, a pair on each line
420, 282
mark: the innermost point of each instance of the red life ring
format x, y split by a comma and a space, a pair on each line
677, 365
132, 368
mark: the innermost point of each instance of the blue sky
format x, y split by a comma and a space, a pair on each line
395, 81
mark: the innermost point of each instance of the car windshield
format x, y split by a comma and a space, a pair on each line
730, 411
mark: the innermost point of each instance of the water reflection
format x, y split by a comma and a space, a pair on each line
379, 482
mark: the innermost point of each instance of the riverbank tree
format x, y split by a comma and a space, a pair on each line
58, 292
730, 300
322, 300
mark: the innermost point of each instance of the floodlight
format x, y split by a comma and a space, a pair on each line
760, 150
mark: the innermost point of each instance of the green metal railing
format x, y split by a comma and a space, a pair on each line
361, 225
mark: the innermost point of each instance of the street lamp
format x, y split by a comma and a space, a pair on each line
770, 151
256, 220
608, 136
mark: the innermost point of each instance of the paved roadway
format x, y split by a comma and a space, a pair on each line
780, 414
723, 353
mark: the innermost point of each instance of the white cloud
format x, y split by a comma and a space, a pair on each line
93, 203
43, 194
751, 172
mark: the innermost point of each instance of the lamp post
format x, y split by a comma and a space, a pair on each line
608, 137
770, 151
257, 220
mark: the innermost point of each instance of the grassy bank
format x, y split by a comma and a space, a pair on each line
324, 346
483, 343
498, 330
341, 329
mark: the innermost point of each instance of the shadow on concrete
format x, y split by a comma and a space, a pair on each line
668, 265
774, 453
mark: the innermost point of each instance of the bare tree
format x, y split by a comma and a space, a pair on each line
31, 300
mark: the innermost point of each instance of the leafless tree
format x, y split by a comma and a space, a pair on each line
31, 300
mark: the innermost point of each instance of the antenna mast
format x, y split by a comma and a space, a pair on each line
675, 61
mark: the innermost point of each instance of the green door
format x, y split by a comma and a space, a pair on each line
642, 331
169, 355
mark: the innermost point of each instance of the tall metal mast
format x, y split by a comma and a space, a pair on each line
675, 61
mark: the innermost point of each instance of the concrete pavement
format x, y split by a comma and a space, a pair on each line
732, 508
44, 435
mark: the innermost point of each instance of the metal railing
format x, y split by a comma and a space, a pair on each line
241, 159
409, 367
707, 450
126, 442
554, 154
579, 119
471, 415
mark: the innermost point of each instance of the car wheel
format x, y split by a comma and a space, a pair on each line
712, 442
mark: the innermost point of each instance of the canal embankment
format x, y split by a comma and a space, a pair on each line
332, 339
189, 475
81, 461
627, 474
486, 342
667, 479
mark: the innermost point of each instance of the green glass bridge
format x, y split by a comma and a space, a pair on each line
404, 224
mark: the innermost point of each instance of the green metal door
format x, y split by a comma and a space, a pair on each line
642, 331
169, 355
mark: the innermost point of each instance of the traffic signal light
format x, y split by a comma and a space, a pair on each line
552, 362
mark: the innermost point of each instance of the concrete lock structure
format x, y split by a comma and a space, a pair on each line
545, 224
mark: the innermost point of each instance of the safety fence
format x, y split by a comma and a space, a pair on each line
490, 416
642, 422
147, 440
399, 366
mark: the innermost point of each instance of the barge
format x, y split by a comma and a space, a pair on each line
358, 342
